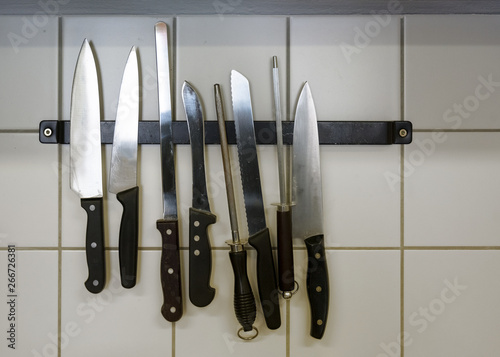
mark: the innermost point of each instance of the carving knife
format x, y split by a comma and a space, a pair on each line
85, 161
252, 194
283, 214
308, 210
170, 274
123, 173
200, 217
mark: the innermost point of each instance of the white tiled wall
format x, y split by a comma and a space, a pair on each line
412, 232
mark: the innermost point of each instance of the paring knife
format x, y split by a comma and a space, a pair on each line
123, 173
308, 210
200, 256
85, 162
170, 273
252, 194
286, 276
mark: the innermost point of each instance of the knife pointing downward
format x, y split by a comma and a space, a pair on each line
308, 210
85, 158
123, 173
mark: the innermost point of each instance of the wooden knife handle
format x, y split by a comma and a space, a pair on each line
285, 251
170, 270
200, 258
317, 284
266, 278
94, 244
129, 236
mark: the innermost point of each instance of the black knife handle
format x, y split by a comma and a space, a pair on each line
129, 236
244, 301
285, 251
170, 270
266, 278
94, 244
317, 284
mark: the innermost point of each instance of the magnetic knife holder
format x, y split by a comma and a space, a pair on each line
330, 132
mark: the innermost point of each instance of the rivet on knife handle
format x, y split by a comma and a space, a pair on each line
94, 244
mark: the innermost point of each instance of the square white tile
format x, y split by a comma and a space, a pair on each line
35, 307
364, 305
451, 303
112, 321
216, 323
29, 196
352, 64
451, 189
452, 74
209, 47
29, 60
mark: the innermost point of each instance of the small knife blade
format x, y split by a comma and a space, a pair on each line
252, 194
85, 161
200, 258
308, 210
170, 274
123, 172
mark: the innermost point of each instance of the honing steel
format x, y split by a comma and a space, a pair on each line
286, 277
85, 162
308, 210
252, 194
123, 173
170, 273
244, 301
200, 256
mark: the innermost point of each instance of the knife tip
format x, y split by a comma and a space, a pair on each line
275, 62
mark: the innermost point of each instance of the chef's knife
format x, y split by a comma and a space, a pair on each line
123, 173
252, 194
85, 158
170, 273
308, 210
200, 217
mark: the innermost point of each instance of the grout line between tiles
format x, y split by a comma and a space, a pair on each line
287, 117
173, 101
59, 188
287, 331
402, 190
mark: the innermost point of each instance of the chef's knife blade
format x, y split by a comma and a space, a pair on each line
200, 217
85, 158
308, 210
123, 173
252, 194
168, 226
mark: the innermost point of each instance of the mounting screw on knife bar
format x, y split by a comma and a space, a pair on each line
330, 132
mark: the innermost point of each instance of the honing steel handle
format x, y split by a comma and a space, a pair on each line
244, 301
129, 236
170, 272
266, 278
285, 251
94, 244
317, 284
200, 258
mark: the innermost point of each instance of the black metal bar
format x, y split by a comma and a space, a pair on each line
330, 132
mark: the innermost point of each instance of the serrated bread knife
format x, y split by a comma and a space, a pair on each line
252, 194
200, 217
170, 272
308, 210
85, 161
123, 173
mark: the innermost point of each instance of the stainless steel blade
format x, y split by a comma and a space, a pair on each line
308, 209
165, 109
123, 174
85, 132
194, 115
247, 153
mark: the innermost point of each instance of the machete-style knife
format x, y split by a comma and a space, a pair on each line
85, 161
308, 210
200, 258
252, 194
170, 273
123, 173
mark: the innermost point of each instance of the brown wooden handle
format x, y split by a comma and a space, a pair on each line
285, 251
170, 273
